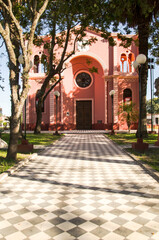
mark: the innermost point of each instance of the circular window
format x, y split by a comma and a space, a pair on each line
83, 79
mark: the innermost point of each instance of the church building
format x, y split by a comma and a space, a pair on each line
84, 101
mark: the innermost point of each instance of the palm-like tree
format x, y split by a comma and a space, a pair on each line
127, 112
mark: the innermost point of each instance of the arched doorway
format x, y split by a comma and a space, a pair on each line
89, 93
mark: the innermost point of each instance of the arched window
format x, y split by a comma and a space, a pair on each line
131, 59
43, 63
123, 63
127, 96
36, 64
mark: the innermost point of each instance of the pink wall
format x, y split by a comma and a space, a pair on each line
106, 60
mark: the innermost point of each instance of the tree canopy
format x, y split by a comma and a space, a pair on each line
139, 16
65, 22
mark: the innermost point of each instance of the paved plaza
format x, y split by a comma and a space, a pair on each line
84, 187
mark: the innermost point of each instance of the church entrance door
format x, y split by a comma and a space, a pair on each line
84, 115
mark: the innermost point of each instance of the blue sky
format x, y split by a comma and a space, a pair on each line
5, 103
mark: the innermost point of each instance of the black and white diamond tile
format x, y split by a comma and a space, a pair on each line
82, 188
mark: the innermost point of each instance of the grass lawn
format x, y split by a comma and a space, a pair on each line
5, 164
39, 139
36, 139
151, 157
128, 138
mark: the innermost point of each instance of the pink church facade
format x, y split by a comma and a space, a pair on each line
84, 101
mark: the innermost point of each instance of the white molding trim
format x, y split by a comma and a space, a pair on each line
27, 110
88, 54
81, 71
115, 58
52, 107
106, 99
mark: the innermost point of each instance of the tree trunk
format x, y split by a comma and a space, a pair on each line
37, 129
16, 110
128, 121
14, 135
13, 36
143, 30
40, 102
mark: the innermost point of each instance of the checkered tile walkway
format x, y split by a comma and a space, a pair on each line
82, 188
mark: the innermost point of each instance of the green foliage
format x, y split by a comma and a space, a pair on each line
131, 11
59, 19
154, 38
1, 131
4, 124
88, 61
38, 41
155, 106
93, 70
127, 112
133, 15
125, 41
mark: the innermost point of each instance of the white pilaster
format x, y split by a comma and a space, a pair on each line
106, 110
61, 102
115, 58
51, 107
27, 110
115, 87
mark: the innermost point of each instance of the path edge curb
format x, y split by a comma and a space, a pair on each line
23, 162
153, 173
